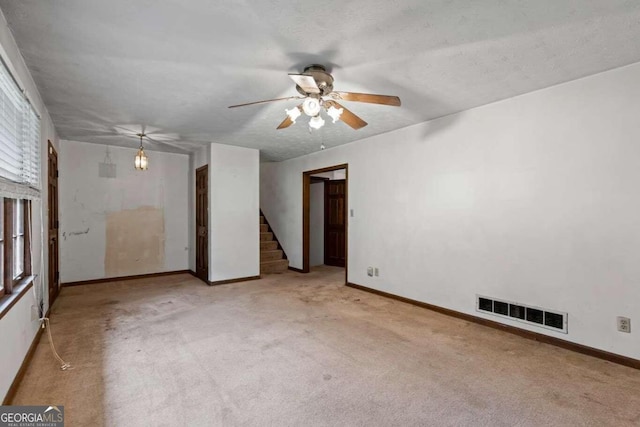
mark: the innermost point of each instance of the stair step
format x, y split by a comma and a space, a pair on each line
265, 237
277, 266
270, 255
261, 219
268, 246
264, 228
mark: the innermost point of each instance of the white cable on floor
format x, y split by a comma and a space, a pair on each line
64, 365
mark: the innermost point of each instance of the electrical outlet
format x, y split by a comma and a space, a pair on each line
376, 272
370, 271
351, 211
624, 324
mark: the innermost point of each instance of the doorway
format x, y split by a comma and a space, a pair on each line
54, 224
335, 219
325, 219
202, 221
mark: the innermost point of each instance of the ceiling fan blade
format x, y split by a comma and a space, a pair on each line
347, 116
367, 97
268, 100
306, 82
288, 122
285, 123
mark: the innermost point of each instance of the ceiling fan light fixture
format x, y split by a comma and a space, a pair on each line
311, 106
293, 114
140, 161
315, 86
316, 122
335, 113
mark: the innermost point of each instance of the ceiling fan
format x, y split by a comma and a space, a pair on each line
315, 85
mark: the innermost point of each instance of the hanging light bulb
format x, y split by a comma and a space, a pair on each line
293, 114
141, 162
335, 113
311, 106
316, 122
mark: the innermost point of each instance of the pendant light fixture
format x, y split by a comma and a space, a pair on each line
141, 162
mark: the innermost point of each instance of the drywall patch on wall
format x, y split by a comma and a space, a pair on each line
86, 201
135, 241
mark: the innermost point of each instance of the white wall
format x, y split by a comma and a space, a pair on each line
533, 199
94, 211
234, 213
17, 330
316, 224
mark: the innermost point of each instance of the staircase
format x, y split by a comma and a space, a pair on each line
272, 258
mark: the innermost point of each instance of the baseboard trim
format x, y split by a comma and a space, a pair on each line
115, 279
240, 279
578, 348
13, 389
297, 270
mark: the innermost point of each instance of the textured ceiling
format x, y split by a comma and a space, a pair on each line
107, 68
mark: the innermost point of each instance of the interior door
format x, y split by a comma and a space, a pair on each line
54, 250
335, 216
202, 221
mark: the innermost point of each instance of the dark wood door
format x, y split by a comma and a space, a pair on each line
335, 218
202, 221
54, 249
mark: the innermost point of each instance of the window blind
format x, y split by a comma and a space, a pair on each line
19, 140
31, 153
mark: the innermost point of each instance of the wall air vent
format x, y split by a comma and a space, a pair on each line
549, 319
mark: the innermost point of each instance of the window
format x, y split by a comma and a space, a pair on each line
15, 251
19, 134
18, 239
19, 179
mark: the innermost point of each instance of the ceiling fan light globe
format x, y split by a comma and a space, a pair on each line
293, 114
311, 106
335, 113
316, 122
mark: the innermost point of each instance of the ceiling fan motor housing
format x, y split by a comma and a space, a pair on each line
323, 79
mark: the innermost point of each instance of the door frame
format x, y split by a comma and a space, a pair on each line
51, 152
195, 220
306, 212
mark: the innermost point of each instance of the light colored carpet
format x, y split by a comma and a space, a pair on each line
301, 350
